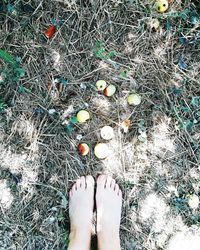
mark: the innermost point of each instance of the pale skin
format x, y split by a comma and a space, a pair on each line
108, 200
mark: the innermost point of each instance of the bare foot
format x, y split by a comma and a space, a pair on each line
81, 204
109, 203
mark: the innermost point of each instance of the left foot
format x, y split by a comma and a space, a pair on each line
81, 204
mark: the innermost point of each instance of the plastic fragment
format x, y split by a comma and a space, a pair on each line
52, 111
79, 137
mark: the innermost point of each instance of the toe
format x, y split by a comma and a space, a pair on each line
78, 183
89, 181
120, 193
113, 182
108, 182
116, 188
83, 184
101, 180
74, 188
70, 193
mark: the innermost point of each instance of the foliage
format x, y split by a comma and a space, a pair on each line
70, 126
11, 72
15, 72
65, 241
1, 105
123, 74
100, 52
8, 58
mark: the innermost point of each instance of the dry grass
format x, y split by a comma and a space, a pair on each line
39, 160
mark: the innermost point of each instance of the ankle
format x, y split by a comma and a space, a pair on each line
108, 235
79, 233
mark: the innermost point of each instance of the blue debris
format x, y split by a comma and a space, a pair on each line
10, 8
181, 63
15, 177
168, 25
194, 17
38, 112
182, 40
176, 91
60, 79
195, 101
63, 81
27, 8
56, 22
18, 59
69, 128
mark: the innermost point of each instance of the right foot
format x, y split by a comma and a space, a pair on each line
109, 203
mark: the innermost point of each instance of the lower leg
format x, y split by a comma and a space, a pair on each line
109, 241
79, 240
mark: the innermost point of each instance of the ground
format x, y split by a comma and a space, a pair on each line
45, 82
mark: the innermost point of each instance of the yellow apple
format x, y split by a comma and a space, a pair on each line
82, 116
101, 150
101, 85
134, 99
107, 133
110, 90
162, 6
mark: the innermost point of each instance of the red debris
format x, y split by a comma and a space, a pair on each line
50, 31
